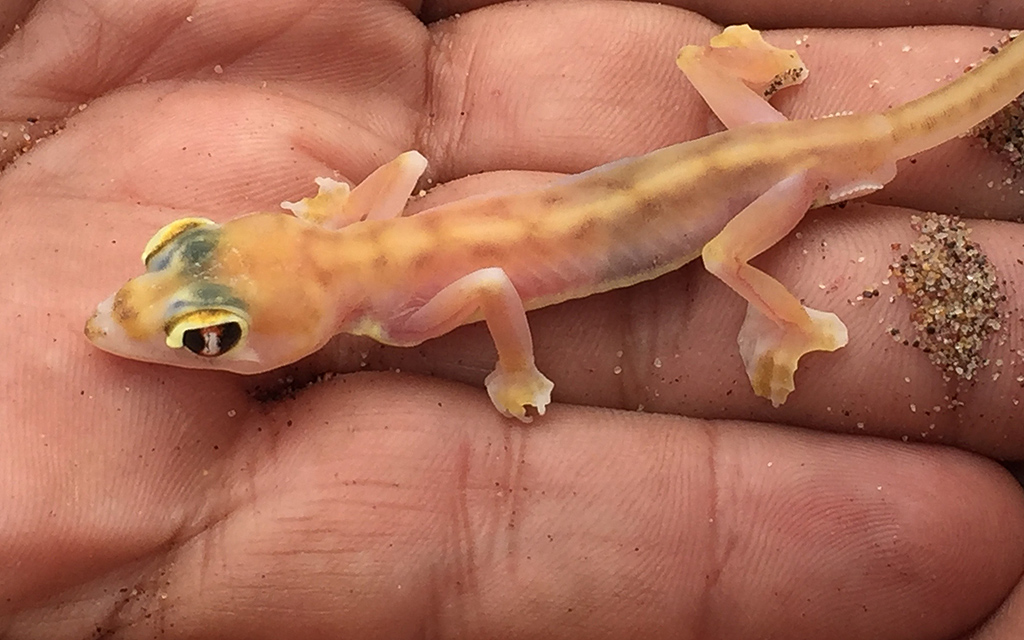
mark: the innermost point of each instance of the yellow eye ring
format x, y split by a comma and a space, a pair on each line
207, 332
168, 233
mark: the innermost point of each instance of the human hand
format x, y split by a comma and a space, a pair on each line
141, 499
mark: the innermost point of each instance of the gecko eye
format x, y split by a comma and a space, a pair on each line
207, 332
212, 341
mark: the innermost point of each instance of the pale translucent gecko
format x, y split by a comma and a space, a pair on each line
266, 289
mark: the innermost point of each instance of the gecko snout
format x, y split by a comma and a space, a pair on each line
97, 326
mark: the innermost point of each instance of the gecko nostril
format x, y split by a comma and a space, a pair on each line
93, 329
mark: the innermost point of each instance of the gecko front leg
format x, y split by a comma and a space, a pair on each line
382, 194
515, 382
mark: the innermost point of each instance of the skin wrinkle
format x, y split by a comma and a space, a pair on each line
207, 521
461, 112
463, 541
441, 142
224, 58
205, 515
703, 625
119, 75
423, 129
517, 440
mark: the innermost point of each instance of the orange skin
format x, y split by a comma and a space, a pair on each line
156, 500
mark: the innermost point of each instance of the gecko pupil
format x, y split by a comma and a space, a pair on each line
213, 340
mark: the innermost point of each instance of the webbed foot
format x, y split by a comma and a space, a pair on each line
331, 197
512, 391
771, 352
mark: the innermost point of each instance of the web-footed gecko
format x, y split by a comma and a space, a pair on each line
266, 289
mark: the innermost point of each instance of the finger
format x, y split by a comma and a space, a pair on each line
766, 14
566, 88
169, 39
427, 511
61, 61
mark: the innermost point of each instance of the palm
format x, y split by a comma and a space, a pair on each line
403, 502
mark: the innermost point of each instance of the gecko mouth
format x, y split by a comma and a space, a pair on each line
104, 331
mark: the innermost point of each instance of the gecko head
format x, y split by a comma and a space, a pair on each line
192, 307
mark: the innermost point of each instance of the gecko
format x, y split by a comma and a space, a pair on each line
266, 289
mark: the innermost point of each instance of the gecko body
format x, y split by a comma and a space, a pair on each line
266, 289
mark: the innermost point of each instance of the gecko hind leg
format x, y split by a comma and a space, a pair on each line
515, 382
738, 71
382, 194
777, 330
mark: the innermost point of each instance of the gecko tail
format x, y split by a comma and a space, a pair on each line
960, 105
